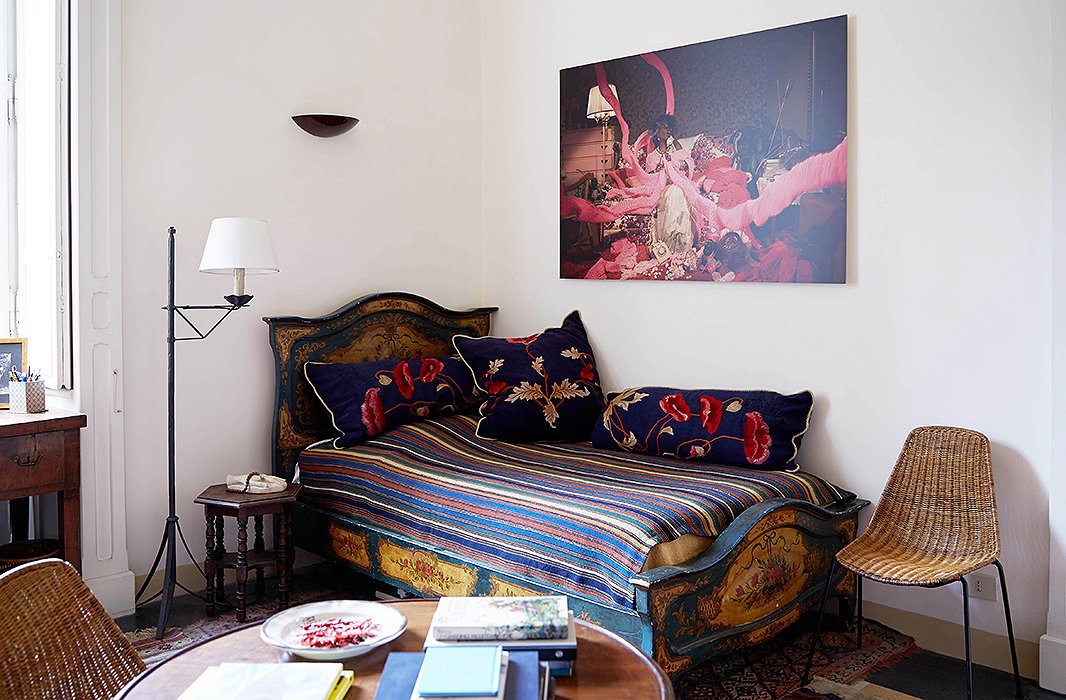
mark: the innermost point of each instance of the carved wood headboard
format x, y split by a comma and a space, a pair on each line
391, 325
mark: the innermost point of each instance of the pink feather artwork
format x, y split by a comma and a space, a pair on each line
754, 191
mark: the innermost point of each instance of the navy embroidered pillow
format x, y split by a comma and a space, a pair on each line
760, 429
367, 398
541, 387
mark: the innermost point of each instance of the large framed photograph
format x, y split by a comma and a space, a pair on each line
12, 356
721, 161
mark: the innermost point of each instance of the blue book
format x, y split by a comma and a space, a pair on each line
398, 676
472, 671
523, 676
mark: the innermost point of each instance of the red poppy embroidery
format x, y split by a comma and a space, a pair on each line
756, 438
494, 387
404, 381
674, 406
431, 367
373, 412
524, 341
588, 373
710, 413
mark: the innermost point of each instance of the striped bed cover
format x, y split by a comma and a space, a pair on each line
565, 515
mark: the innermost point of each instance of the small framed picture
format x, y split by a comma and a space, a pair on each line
12, 356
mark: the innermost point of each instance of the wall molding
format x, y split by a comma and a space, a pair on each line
96, 196
1052, 649
1053, 663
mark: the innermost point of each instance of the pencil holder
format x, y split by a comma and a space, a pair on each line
26, 397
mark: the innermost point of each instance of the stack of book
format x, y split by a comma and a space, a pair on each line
474, 673
542, 624
487, 648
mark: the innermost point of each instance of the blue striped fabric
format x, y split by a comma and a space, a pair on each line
572, 517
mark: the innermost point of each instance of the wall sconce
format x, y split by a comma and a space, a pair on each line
324, 125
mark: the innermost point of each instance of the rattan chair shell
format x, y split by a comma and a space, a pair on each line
936, 520
57, 641
935, 523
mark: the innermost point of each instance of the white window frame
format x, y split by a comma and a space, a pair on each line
60, 376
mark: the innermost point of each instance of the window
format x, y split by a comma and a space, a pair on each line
35, 273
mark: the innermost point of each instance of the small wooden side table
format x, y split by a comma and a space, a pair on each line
218, 503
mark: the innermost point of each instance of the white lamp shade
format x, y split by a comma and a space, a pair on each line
237, 243
600, 108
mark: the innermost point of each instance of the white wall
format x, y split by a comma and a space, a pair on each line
946, 315
208, 88
945, 318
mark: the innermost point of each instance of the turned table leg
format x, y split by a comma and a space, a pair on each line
282, 546
220, 553
242, 564
209, 567
259, 547
290, 550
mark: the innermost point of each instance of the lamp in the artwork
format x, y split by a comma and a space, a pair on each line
599, 108
239, 247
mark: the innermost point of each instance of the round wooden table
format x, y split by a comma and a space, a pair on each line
607, 666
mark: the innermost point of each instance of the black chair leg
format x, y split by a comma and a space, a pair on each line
966, 625
818, 626
858, 601
1010, 631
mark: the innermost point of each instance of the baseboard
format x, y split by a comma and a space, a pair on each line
114, 591
1053, 663
948, 638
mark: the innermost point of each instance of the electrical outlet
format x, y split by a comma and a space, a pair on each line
983, 586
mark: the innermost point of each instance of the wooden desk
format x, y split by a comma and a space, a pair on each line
41, 453
607, 666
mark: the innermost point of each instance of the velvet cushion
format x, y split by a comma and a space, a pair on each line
541, 387
761, 429
368, 398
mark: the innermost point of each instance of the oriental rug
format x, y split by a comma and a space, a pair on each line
773, 670
176, 638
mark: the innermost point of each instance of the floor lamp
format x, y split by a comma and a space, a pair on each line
234, 246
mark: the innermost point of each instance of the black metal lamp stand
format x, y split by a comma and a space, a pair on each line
172, 530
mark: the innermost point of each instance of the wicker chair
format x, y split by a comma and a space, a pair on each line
935, 523
57, 640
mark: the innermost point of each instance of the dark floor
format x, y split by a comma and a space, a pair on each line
935, 676
925, 675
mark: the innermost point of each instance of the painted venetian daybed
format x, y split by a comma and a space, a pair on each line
761, 562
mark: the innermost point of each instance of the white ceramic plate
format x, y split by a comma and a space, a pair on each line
283, 630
